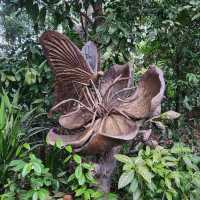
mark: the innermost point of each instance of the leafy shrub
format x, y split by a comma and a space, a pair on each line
33, 78
80, 180
15, 131
31, 180
11, 132
161, 174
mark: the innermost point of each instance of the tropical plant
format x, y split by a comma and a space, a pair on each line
161, 173
81, 180
16, 130
30, 180
11, 132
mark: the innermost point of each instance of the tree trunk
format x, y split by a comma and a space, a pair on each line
104, 170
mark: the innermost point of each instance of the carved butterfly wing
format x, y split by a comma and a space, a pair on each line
71, 70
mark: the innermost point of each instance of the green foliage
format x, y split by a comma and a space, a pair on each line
11, 132
28, 76
16, 130
81, 179
31, 180
161, 173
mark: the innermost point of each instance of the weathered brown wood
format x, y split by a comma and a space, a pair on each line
104, 170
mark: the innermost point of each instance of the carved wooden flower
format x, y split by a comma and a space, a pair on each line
99, 110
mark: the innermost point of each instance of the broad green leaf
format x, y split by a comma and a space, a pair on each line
36, 182
43, 194
26, 170
80, 191
168, 195
47, 181
71, 177
180, 149
137, 195
196, 181
27, 146
61, 174
125, 179
16, 163
37, 168
189, 163
90, 177
59, 143
123, 158
168, 183
18, 167
176, 177
77, 158
68, 148
134, 185
86, 195
87, 166
96, 194
127, 167
145, 173
78, 172
147, 151
11, 78
82, 180
67, 158
35, 196
170, 158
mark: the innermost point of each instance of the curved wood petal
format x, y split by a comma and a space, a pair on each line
148, 96
110, 131
105, 133
90, 54
119, 127
76, 140
75, 119
115, 71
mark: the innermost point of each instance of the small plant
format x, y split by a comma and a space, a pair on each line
161, 174
15, 132
31, 180
81, 180
11, 132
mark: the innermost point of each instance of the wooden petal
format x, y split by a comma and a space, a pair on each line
124, 71
90, 54
106, 133
76, 140
110, 131
148, 96
75, 119
119, 127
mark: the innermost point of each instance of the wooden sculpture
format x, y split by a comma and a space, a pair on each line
100, 110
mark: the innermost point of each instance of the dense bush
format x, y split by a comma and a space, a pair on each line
31, 180
161, 173
12, 136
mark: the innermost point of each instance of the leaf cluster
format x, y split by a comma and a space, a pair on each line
161, 173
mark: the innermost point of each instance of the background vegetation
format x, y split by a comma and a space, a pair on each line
161, 32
